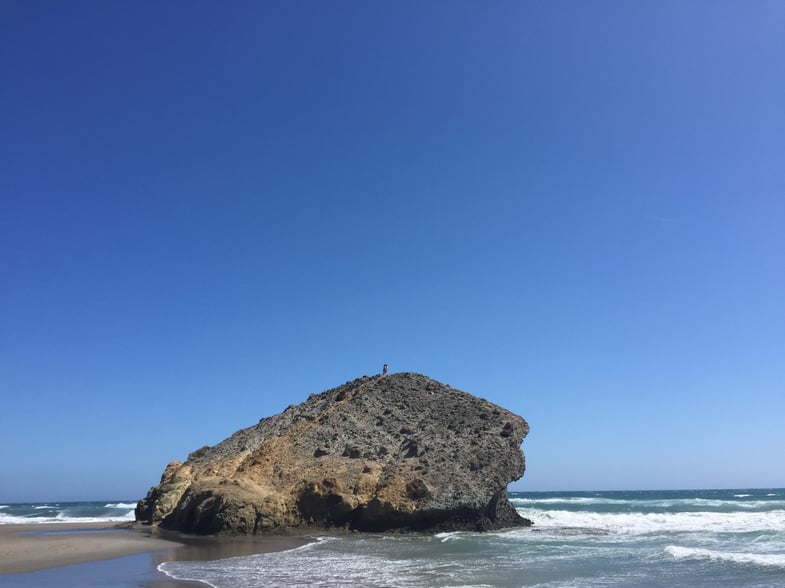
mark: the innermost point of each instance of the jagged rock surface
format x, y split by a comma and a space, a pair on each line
400, 451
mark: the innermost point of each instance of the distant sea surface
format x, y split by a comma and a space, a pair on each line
705, 538
66, 512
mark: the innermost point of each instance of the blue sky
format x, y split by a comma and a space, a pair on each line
211, 210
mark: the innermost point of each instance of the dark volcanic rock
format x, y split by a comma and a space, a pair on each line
400, 451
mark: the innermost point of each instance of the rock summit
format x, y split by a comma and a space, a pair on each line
389, 452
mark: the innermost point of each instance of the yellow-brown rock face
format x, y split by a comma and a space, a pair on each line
399, 451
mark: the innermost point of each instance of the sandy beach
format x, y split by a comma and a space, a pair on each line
30, 550
27, 548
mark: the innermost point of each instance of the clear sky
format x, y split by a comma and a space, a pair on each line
210, 210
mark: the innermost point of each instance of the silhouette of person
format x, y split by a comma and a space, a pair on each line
384, 370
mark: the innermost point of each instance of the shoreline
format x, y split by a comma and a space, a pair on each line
94, 550
37, 546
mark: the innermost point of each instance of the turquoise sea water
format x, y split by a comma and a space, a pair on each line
702, 538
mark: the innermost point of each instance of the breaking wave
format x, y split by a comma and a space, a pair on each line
697, 553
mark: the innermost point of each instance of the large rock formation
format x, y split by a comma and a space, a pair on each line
386, 452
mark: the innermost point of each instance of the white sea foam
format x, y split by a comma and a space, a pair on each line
362, 562
6, 519
675, 504
760, 559
12, 520
44, 507
448, 536
645, 523
180, 574
131, 505
714, 504
568, 500
334, 567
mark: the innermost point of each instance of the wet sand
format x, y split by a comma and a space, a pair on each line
26, 548
34, 555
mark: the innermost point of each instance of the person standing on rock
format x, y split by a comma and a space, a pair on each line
384, 370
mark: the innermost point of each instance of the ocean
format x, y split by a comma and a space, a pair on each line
66, 512
706, 538
695, 538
